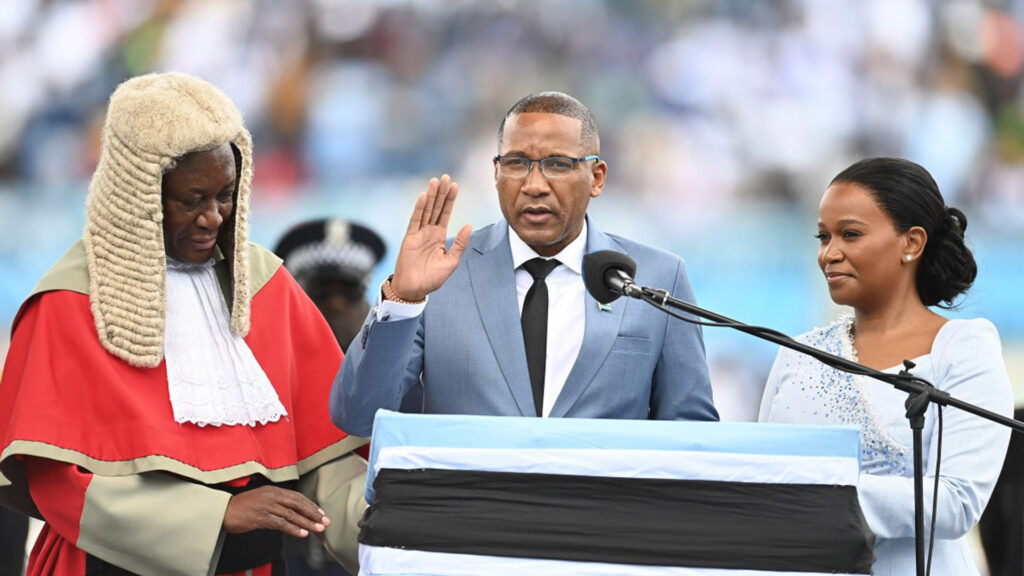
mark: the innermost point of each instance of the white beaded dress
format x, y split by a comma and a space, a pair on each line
966, 361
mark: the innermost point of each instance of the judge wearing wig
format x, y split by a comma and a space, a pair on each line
163, 406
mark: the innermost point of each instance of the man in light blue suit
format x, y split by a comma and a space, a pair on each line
465, 343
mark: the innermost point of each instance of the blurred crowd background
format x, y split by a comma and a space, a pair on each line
722, 122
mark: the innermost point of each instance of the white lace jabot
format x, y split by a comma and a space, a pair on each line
212, 376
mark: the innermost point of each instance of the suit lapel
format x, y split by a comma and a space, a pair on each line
602, 326
494, 289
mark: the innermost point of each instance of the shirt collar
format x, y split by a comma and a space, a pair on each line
571, 256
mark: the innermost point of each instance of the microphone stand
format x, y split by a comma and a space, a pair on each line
920, 391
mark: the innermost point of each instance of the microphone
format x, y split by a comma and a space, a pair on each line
608, 274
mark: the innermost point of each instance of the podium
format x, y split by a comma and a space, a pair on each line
461, 495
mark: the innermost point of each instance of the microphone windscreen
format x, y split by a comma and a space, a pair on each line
596, 265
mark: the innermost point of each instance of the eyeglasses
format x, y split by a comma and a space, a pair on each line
553, 167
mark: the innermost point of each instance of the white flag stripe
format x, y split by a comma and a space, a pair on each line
712, 466
379, 561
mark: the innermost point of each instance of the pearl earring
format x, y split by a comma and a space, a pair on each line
908, 257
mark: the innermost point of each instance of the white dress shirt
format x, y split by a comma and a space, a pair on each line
566, 312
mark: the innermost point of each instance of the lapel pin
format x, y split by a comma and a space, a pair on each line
604, 307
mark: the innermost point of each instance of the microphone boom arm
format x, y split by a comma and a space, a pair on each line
902, 381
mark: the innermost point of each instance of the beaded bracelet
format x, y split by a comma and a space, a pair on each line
389, 293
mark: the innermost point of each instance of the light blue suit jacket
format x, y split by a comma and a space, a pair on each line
467, 351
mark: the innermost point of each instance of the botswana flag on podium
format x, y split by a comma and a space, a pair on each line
471, 495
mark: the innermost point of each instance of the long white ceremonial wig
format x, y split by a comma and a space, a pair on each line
152, 120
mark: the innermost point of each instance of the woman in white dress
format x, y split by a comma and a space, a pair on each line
891, 249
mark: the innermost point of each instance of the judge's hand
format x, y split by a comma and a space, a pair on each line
423, 262
275, 509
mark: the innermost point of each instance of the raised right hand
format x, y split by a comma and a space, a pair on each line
423, 262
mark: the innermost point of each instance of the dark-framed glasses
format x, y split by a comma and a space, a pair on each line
553, 167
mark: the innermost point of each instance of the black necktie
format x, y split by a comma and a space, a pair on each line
535, 325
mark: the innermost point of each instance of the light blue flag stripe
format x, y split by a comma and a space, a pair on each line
437, 430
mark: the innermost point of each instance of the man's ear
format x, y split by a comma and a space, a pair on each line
599, 171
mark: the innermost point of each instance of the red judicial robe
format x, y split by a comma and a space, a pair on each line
94, 441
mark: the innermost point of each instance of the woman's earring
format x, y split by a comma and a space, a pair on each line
908, 257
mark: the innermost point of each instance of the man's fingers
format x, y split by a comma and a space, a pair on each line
434, 206
428, 207
297, 515
301, 510
444, 188
449, 204
282, 523
417, 214
298, 525
460, 242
